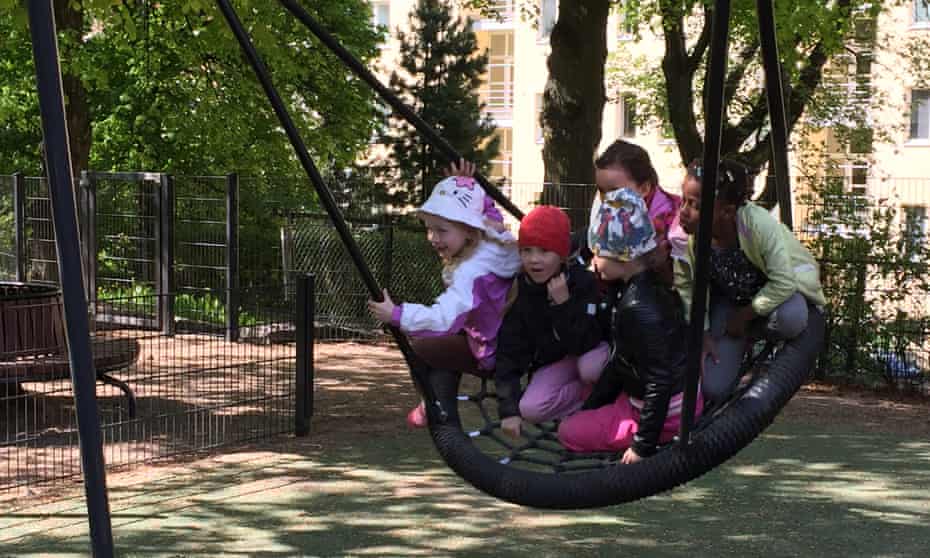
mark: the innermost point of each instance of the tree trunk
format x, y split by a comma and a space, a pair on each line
71, 21
573, 102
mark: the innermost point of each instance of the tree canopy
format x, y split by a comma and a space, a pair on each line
671, 91
163, 86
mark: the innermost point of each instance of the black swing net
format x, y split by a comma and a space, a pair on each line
536, 470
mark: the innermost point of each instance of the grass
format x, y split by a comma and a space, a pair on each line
201, 307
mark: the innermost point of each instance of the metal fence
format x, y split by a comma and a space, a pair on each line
160, 395
879, 302
398, 254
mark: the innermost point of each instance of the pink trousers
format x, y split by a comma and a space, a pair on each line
611, 427
559, 389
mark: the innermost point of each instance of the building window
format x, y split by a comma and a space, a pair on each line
628, 118
915, 228
920, 114
626, 23
922, 12
539, 126
500, 167
381, 14
548, 13
498, 91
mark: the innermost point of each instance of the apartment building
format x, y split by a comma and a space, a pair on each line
895, 164
513, 90
885, 77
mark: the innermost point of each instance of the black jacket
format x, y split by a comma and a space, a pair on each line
535, 332
651, 351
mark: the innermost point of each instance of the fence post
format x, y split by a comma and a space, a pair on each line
166, 254
303, 408
90, 235
859, 302
232, 257
287, 255
19, 224
388, 253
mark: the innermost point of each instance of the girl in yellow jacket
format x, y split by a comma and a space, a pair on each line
763, 281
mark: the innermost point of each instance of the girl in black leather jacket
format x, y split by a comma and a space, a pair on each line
648, 332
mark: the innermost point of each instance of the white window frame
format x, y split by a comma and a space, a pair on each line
918, 22
625, 31
628, 116
375, 13
911, 138
546, 24
538, 134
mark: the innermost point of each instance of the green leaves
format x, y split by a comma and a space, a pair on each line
168, 89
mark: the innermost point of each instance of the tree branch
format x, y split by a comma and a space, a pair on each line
679, 78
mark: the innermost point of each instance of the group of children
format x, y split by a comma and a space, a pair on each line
603, 343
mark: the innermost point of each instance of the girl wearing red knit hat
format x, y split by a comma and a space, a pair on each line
551, 331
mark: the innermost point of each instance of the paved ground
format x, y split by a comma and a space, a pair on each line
839, 474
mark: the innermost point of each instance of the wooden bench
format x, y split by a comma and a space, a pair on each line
33, 346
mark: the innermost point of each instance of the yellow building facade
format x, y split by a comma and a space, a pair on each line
897, 165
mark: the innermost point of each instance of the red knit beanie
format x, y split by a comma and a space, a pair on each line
546, 227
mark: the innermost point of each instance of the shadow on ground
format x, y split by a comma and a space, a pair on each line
797, 491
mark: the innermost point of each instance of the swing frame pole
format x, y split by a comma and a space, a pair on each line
418, 369
774, 94
64, 213
359, 69
714, 115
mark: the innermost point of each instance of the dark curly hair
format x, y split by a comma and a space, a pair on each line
734, 180
631, 157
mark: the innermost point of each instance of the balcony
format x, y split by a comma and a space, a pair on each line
498, 101
498, 15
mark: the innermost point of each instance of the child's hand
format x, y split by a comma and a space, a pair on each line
608, 269
738, 322
382, 311
630, 457
558, 289
511, 426
462, 168
496, 225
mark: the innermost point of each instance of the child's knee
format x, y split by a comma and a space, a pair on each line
536, 409
592, 363
573, 433
717, 382
791, 317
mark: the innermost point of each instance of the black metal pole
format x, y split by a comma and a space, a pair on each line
232, 257
19, 224
418, 369
90, 226
399, 107
166, 254
61, 193
775, 94
714, 115
303, 410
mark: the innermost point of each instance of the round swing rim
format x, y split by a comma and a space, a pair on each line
725, 435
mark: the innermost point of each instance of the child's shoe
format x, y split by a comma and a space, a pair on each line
416, 418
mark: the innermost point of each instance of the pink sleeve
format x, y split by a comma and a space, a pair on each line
396, 314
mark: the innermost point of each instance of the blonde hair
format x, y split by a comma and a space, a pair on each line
473, 240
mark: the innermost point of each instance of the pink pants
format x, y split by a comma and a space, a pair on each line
559, 389
611, 427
